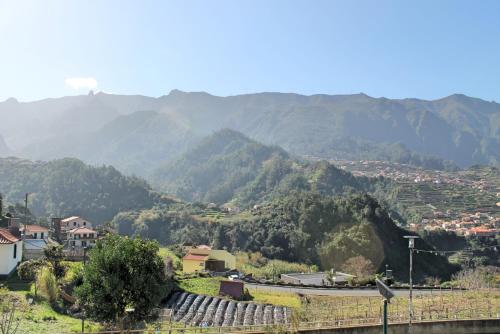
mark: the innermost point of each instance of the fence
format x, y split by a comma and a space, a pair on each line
294, 327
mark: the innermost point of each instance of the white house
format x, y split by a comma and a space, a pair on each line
81, 237
35, 232
36, 238
11, 252
63, 226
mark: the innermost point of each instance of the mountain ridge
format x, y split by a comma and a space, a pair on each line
455, 128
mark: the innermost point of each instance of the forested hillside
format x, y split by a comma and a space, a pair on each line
217, 168
301, 227
70, 187
230, 167
135, 143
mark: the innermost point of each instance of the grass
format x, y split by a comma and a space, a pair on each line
210, 286
39, 317
276, 298
203, 286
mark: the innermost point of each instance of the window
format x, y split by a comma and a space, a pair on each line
34, 235
84, 223
84, 244
74, 223
41, 235
15, 251
72, 243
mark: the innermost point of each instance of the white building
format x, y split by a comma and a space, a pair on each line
63, 226
35, 232
81, 237
318, 279
36, 239
11, 252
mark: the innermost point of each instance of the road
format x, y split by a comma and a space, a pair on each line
339, 292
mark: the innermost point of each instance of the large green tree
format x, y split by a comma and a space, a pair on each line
122, 273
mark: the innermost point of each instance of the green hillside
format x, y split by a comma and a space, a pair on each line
217, 168
70, 187
135, 143
229, 167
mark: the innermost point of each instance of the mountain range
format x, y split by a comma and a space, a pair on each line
137, 134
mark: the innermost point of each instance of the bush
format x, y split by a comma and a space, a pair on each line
123, 272
28, 269
47, 284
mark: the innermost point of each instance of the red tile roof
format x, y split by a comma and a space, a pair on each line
195, 257
35, 228
6, 237
82, 230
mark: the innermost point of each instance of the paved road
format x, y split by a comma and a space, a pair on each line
339, 292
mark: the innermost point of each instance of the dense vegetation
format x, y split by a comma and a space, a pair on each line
302, 227
70, 187
216, 168
230, 167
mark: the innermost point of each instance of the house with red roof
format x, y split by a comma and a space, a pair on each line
204, 258
11, 252
36, 239
81, 237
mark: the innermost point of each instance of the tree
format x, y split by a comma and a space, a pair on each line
122, 273
359, 266
54, 255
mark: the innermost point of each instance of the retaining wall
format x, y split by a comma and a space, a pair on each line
483, 326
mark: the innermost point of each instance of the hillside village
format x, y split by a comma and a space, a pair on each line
28, 241
441, 195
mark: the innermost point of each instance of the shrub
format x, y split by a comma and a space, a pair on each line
28, 269
47, 284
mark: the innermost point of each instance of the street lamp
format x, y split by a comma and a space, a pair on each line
411, 247
387, 294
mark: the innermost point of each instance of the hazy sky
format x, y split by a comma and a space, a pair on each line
425, 49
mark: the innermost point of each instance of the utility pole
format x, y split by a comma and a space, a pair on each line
411, 247
25, 214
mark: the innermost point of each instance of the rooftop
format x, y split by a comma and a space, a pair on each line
195, 257
34, 228
34, 244
65, 220
82, 230
6, 237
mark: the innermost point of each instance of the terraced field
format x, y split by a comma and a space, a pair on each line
424, 198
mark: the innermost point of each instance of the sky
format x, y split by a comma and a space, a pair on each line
395, 49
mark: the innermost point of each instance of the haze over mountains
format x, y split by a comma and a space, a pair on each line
137, 134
